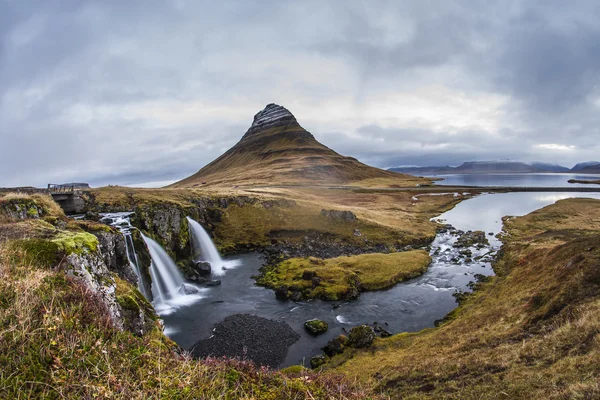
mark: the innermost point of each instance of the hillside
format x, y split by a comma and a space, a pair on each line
590, 169
276, 150
531, 332
585, 165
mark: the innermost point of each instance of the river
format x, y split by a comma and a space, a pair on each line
409, 306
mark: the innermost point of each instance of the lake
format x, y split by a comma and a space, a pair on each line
520, 180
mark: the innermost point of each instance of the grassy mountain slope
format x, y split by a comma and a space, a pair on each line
276, 150
531, 332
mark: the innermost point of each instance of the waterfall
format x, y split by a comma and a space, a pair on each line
204, 248
122, 223
168, 286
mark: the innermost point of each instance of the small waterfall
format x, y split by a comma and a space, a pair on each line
203, 247
168, 286
122, 222
166, 278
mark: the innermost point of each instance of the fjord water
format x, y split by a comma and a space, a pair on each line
519, 180
409, 306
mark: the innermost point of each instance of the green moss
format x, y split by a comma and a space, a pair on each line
76, 242
293, 370
343, 277
39, 252
316, 326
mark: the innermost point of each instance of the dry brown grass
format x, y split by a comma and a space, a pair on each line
532, 332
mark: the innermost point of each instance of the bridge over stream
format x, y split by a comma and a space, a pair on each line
68, 196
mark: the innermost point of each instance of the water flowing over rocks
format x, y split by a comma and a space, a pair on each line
261, 340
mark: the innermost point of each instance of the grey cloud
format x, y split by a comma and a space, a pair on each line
71, 71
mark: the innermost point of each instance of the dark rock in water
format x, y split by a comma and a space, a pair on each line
198, 279
308, 275
382, 332
188, 289
216, 282
317, 361
295, 295
472, 238
203, 268
361, 336
335, 346
261, 340
316, 326
281, 292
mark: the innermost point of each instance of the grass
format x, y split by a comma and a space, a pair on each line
343, 276
57, 341
286, 214
531, 332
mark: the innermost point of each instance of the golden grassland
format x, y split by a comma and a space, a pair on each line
531, 332
339, 276
391, 218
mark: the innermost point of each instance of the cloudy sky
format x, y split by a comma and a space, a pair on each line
130, 92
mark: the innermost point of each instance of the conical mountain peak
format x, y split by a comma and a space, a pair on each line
273, 115
277, 150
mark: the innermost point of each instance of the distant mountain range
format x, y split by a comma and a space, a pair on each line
497, 167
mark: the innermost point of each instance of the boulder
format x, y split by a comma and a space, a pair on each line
316, 326
335, 346
361, 336
202, 267
188, 289
281, 293
216, 282
317, 361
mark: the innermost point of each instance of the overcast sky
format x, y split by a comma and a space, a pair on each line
130, 92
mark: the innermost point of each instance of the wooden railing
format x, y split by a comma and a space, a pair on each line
60, 189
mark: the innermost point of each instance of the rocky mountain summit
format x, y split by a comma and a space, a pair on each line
271, 116
276, 150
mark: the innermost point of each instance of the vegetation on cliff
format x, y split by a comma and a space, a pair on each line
530, 332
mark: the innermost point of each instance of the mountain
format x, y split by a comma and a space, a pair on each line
276, 150
433, 170
585, 165
547, 167
484, 167
590, 169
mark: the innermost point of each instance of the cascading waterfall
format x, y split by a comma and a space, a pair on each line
168, 288
166, 278
203, 247
122, 222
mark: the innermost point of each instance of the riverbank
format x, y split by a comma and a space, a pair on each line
528, 332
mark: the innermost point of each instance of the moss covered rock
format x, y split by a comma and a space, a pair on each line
317, 361
316, 326
361, 336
